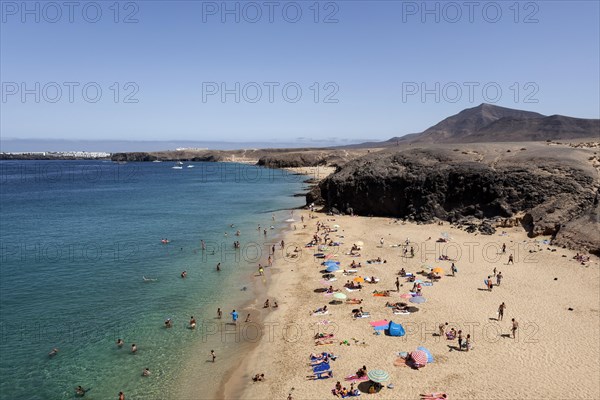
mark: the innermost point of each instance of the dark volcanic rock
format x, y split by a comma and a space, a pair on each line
424, 184
583, 232
133, 157
293, 160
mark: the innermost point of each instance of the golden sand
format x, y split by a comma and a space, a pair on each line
554, 356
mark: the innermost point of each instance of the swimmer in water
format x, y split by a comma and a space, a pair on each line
79, 391
120, 343
53, 352
146, 372
184, 274
218, 266
133, 348
192, 322
168, 323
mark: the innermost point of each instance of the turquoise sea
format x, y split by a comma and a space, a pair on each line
76, 240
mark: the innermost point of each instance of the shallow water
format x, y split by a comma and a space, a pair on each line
76, 239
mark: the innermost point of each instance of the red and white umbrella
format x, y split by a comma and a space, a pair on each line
419, 357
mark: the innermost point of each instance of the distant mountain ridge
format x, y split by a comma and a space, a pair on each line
490, 123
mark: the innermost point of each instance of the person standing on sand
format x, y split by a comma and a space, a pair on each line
490, 284
510, 259
468, 342
218, 266
219, 313
261, 271
460, 340
501, 309
213, 355
381, 241
503, 248
234, 316
495, 271
515, 326
442, 328
397, 285
499, 278
453, 268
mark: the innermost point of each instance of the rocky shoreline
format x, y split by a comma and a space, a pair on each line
548, 191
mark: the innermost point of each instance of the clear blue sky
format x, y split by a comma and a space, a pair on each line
374, 54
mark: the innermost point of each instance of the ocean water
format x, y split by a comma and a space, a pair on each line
76, 238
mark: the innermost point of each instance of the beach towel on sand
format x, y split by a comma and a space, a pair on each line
382, 322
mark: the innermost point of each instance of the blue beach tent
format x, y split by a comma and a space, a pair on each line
395, 329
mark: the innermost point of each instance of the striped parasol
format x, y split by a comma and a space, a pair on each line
419, 357
378, 375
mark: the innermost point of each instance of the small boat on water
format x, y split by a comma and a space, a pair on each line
190, 166
178, 165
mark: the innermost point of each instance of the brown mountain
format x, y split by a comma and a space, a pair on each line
490, 123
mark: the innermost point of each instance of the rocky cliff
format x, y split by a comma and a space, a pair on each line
554, 188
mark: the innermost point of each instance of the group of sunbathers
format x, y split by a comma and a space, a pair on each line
353, 285
342, 392
320, 366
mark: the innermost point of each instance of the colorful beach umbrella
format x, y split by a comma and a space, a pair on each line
438, 270
378, 375
359, 279
419, 357
418, 299
426, 351
340, 296
332, 268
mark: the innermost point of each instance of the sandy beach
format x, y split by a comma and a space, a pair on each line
554, 299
